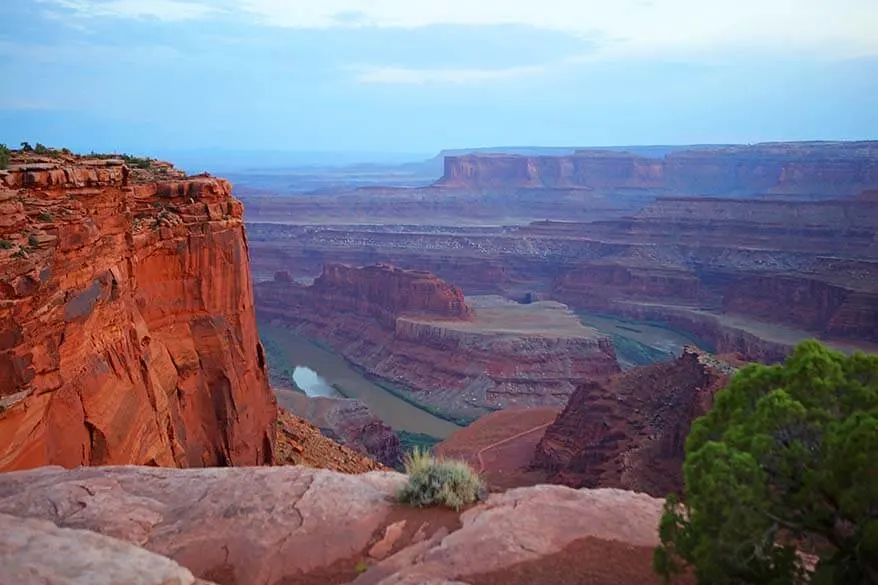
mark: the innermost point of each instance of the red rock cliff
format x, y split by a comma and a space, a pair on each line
822, 169
127, 331
629, 433
385, 292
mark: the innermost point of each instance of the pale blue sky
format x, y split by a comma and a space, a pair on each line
417, 76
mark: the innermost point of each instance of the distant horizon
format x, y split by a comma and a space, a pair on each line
411, 76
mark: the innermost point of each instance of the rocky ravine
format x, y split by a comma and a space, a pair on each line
126, 311
630, 433
298, 526
414, 330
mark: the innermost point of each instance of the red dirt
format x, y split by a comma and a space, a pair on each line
501, 445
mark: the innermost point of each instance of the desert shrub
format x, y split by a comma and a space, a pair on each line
434, 481
41, 149
5, 154
26, 147
32, 241
5, 244
45, 216
786, 461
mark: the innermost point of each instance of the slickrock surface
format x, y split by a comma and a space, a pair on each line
301, 443
414, 330
630, 433
126, 312
291, 525
36, 552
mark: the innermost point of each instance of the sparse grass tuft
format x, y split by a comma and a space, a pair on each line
45, 216
5, 244
437, 482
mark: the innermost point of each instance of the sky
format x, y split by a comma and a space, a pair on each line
414, 76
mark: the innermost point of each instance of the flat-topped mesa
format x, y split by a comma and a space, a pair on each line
630, 432
127, 331
818, 169
386, 292
414, 331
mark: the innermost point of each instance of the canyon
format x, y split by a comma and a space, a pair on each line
461, 356
745, 249
126, 311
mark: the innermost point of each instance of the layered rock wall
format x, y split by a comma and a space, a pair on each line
630, 433
127, 331
802, 169
427, 340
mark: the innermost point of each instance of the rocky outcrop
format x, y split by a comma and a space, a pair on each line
127, 331
36, 552
826, 169
347, 421
630, 433
269, 526
385, 292
301, 443
463, 360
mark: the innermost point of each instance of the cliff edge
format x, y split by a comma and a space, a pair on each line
126, 312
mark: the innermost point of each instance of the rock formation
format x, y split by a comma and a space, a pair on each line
270, 526
301, 443
127, 332
630, 433
347, 421
820, 169
748, 275
415, 331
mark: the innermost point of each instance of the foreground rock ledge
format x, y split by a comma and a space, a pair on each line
285, 525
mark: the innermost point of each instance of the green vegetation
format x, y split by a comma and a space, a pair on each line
436, 482
45, 216
32, 241
411, 441
5, 155
139, 162
5, 245
130, 160
362, 566
786, 460
26, 147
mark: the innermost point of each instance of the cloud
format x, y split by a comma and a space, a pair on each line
446, 76
636, 27
165, 10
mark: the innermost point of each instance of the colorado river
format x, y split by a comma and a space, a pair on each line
312, 383
319, 368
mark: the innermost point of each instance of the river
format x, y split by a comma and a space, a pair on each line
318, 368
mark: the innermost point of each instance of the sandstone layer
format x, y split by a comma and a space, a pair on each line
415, 331
630, 433
297, 526
36, 552
127, 331
748, 275
819, 169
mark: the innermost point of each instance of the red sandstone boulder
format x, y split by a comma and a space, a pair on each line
268, 526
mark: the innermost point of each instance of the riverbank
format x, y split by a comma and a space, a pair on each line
288, 350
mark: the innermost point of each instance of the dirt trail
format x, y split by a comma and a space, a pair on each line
506, 440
